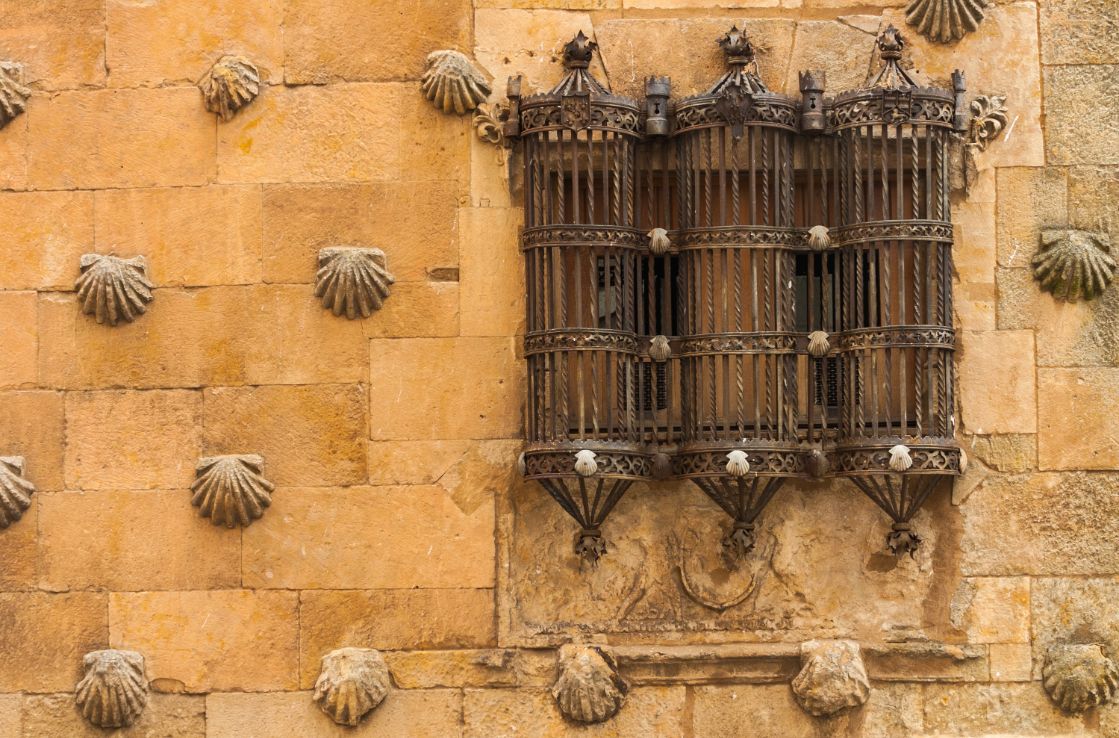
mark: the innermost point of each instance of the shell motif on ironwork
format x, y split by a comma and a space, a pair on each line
589, 688
659, 243
1074, 265
737, 464
819, 239
231, 490
231, 84
114, 690
659, 349
13, 94
818, 344
832, 677
585, 464
900, 458
452, 82
353, 281
1079, 676
945, 21
113, 289
15, 491
352, 682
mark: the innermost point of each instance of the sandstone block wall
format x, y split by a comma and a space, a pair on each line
398, 521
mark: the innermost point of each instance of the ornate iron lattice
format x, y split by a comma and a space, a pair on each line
738, 288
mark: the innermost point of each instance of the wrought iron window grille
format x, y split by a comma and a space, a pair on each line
738, 288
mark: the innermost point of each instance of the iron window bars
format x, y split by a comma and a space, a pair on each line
738, 288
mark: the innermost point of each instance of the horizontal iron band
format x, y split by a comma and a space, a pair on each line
765, 461
925, 106
734, 237
581, 235
612, 463
924, 336
617, 114
892, 230
849, 460
739, 343
580, 340
764, 110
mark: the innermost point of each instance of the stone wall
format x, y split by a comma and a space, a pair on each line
398, 521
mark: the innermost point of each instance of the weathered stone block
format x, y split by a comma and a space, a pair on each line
370, 538
50, 633
500, 713
1029, 199
415, 309
14, 153
330, 41
389, 620
21, 341
842, 49
1011, 452
32, 426
992, 609
10, 706
492, 277
633, 49
975, 306
62, 46
433, 146
130, 138
176, 41
974, 249
54, 716
1041, 524
21, 552
1078, 425
47, 232
997, 384
213, 640
132, 440
1079, 110
991, 709
1075, 32
1011, 662
472, 668
407, 714
1093, 200
312, 134
1070, 610
413, 381
309, 435
282, 335
509, 42
190, 236
414, 223
103, 540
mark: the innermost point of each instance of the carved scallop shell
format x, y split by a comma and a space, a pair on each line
1079, 676
585, 464
113, 289
818, 344
231, 490
231, 84
453, 83
351, 683
818, 238
659, 350
832, 677
737, 464
13, 95
900, 458
114, 690
589, 688
354, 281
1074, 265
945, 21
15, 491
659, 242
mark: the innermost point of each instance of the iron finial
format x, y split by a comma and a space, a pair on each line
578, 51
890, 43
737, 47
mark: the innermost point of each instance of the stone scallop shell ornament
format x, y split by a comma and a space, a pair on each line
231, 84
945, 21
231, 490
832, 677
1079, 676
15, 491
351, 683
452, 82
353, 281
112, 289
589, 688
13, 95
1074, 265
114, 691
